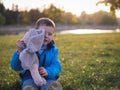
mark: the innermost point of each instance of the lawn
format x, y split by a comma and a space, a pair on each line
89, 62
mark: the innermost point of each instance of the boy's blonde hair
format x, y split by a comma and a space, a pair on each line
44, 21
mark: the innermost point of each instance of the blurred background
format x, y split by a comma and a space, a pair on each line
89, 62
17, 16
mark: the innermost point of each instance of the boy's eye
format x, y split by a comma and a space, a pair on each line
49, 33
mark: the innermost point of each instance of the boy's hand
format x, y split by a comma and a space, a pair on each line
20, 45
43, 71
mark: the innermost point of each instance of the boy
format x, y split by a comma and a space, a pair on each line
49, 64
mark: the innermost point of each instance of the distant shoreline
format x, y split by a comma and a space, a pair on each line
17, 29
71, 27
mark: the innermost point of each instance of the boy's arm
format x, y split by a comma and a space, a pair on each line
15, 62
55, 68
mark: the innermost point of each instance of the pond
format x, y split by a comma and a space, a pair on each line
87, 31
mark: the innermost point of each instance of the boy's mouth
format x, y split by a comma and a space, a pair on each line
45, 40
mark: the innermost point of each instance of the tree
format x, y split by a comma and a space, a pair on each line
53, 13
69, 18
84, 18
24, 17
2, 19
2, 12
114, 5
98, 18
11, 16
2, 8
103, 18
34, 14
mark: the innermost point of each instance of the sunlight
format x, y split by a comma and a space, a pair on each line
73, 6
78, 6
118, 13
87, 31
25, 4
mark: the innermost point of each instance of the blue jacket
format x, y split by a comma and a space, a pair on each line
51, 62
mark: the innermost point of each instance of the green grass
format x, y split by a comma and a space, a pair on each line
89, 62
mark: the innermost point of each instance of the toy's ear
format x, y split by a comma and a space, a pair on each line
34, 32
40, 31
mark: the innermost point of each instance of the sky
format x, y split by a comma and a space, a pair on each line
73, 6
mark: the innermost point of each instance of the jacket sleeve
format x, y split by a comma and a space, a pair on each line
15, 62
55, 68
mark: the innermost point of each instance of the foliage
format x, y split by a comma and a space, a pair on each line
60, 16
104, 18
24, 17
98, 18
114, 4
28, 17
34, 14
69, 18
53, 13
89, 62
2, 19
15, 16
2, 9
11, 17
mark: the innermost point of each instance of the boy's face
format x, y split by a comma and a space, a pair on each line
49, 33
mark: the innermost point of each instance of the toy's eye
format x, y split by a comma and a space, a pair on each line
39, 32
49, 34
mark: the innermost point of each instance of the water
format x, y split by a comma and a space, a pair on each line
88, 31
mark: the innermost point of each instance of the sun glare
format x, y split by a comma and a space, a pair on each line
73, 6
118, 13
78, 6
